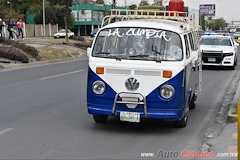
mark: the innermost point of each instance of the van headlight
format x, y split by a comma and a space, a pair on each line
167, 91
98, 87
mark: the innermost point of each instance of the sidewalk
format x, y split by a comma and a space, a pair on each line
225, 145
221, 136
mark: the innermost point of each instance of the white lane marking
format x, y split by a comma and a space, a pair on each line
6, 130
59, 75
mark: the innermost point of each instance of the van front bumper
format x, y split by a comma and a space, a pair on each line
151, 113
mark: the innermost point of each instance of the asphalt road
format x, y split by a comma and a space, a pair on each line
43, 115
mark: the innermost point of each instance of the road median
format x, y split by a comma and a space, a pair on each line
49, 50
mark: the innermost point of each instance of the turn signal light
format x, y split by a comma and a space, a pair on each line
100, 70
167, 74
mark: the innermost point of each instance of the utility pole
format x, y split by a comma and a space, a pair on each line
113, 4
44, 29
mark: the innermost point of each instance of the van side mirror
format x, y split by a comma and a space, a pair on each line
89, 50
195, 55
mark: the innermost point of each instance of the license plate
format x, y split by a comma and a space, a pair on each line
130, 116
212, 59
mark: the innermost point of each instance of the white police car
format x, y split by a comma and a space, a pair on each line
218, 50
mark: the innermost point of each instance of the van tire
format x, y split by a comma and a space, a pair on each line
192, 104
182, 123
100, 118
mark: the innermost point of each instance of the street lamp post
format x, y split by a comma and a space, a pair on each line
44, 29
10, 7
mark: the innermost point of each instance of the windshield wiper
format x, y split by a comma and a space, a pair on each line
109, 55
144, 56
139, 55
158, 53
106, 53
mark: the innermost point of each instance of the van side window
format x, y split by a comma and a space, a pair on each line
187, 46
192, 44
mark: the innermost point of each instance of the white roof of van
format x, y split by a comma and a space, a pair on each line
163, 24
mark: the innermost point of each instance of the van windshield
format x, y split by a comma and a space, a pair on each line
138, 44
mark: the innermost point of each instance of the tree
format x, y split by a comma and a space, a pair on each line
62, 10
220, 24
50, 16
143, 3
113, 3
99, 2
216, 24
158, 2
17, 8
133, 6
83, 2
203, 22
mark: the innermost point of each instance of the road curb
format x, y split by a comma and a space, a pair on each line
232, 113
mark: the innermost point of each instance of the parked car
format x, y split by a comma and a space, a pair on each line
219, 50
62, 33
94, 32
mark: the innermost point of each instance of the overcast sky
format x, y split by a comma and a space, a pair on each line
228, 9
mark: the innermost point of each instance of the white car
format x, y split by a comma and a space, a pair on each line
62, 33
218, 50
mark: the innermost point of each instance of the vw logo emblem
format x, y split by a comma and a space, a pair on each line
131, 84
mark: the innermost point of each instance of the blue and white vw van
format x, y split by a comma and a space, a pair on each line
144, 66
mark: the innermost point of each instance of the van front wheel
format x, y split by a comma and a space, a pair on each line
100, 118
182, 123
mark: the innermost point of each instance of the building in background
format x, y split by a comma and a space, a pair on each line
89, 17
194, 14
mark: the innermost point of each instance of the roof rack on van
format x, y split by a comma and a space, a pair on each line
125, 14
